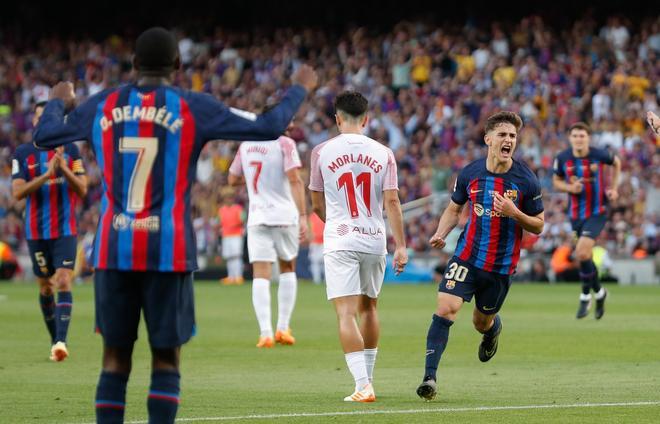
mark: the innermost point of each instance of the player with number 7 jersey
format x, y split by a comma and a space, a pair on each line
147, 137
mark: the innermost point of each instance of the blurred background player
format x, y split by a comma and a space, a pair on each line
351, 177
53, 182
277, 222
316, 227
231, 217
579, 171
147, 137
504, 197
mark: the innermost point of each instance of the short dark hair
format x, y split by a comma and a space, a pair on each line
40, 104
580, 126
352, 103
503, 117
156, 49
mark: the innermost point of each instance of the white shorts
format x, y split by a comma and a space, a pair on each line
269, 243
232, 246
349, 273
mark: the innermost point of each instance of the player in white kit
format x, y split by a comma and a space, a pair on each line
351, 177
276, 223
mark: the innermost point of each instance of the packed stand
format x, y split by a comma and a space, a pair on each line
430, 90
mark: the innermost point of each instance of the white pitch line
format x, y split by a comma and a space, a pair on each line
410, 411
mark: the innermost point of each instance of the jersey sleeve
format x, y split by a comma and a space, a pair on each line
289, 153
236, 167
218, 122
77, 163
55, 128
532, 199
391, 179
558, 167
460, 194
315, 175
18, 170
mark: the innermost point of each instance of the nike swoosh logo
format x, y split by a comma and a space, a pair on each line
475, 191
430, 352
33, 166
488, 309
67, 262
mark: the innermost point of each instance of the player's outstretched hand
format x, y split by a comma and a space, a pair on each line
400, 260
307, 77
654, 122
303, 229
437, 241
503, 205
63, 90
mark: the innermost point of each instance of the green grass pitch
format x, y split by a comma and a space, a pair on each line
546, 358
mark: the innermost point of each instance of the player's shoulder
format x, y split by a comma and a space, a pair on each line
286, 143
524, 174
320, 147
71, 149
474, 168
564, 154
24, 150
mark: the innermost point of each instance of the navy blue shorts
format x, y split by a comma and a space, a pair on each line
52, 254
464, 280
590, 227
166, 299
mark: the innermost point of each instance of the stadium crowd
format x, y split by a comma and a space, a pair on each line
430, 90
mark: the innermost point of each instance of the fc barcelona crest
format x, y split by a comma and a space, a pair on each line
450, 284
511, 194
593, 167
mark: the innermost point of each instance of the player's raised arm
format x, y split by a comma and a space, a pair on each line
221, 123
654, 122
55, 128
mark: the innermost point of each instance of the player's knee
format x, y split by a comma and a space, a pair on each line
62, 279
287, 266
45, 287
165, 358
583, 254
447, 311
481, 323
117, 360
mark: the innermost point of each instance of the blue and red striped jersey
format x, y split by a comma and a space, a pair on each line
489, 240
592, 201
147, 140
50, 211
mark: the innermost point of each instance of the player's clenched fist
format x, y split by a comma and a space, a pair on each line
400, 260
64, 91
437, 241
307, 77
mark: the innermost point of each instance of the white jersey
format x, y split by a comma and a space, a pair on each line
353, 171
265, 165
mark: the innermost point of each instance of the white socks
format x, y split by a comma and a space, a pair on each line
286, 299
370, 361
261, 303
584, 297
358, 368
235, 267
600, 294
